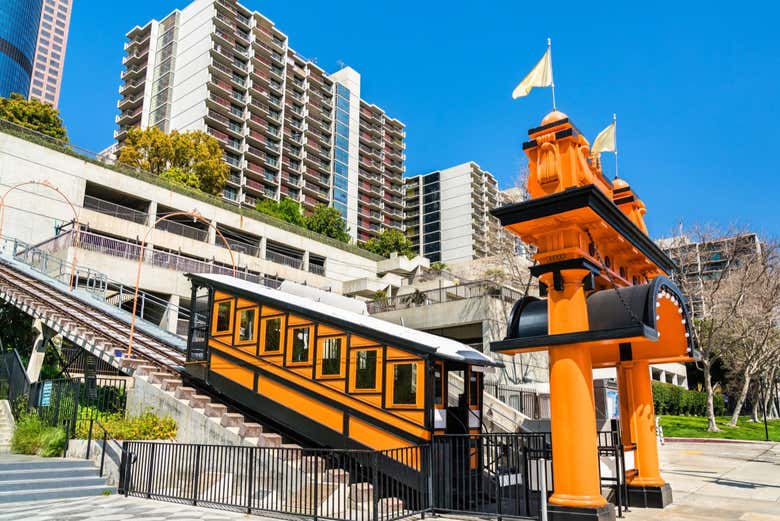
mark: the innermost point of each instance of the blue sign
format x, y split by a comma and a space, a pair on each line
45, 394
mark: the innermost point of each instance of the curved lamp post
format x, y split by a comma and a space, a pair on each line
195, 216
76, 224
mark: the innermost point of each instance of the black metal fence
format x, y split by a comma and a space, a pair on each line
359, 485
498, 475
14, 384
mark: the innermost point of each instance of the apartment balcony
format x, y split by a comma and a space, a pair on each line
371, 165
137, 40
394, 201
321, 194
128, 103
134, 72
254, 153
132, 87
129, 117
222, 37
225, 22
394, 166
136, 56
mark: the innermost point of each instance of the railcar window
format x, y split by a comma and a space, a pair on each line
331, 356
365, 370
223, 315
246, 324
273, 334
300, 344
405, 384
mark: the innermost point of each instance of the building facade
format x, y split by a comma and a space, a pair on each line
50, 51
288, 128
19, 21
447, 214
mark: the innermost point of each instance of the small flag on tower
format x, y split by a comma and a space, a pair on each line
605, 141
540, 76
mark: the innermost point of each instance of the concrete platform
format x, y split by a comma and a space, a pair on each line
717, 481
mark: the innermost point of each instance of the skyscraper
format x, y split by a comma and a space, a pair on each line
287, 127
447, 214
18, 32
50, 51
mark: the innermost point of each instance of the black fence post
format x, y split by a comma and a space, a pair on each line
123, 466
103, 453
316, 491
150, 471
375, 484
250, 479
196, 474
89, 437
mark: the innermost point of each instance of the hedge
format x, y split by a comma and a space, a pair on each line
676, 401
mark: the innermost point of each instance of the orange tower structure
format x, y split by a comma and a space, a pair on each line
609, 304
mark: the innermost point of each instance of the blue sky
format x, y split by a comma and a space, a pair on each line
694, 86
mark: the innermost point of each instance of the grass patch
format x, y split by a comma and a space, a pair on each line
696, 427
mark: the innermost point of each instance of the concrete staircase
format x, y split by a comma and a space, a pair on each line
6, 427
31, 478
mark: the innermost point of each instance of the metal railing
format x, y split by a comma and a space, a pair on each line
477, 289
286, 260
14, 384
535, 405
115, 210
335, 484
42, 258
191, 232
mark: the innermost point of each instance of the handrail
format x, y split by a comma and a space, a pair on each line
106, 438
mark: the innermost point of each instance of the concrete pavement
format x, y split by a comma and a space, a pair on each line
719, 481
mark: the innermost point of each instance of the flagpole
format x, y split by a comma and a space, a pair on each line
614, 122
552, 78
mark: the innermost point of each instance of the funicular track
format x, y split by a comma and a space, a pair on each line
106, 336
99, 326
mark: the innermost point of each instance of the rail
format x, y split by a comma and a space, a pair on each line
477, 289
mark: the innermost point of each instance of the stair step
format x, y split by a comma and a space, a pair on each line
46, 473
20, 463
52, 483
54, 493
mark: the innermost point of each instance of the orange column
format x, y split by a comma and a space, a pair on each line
573, 418
642, 421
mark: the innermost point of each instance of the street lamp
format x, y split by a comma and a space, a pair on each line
195, 216
76, 225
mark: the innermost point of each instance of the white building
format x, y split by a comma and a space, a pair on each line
448, 214
288, 128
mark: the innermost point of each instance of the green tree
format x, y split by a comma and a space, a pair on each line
285, 209
16, 331
328, 221
33, 114
390, 241
178, 155
182, 177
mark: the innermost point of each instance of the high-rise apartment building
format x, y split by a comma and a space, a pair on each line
448, 214
50, 51
288, 128
19, 21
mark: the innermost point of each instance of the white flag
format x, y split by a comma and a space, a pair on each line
605, 141
540, 76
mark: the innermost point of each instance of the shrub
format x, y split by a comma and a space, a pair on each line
147, 426
27, 435
32, 436
676, 401
52, 442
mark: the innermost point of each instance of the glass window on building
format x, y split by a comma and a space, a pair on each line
246, 323
331, 356
300, 344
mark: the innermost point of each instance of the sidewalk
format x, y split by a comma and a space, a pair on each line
719, 481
